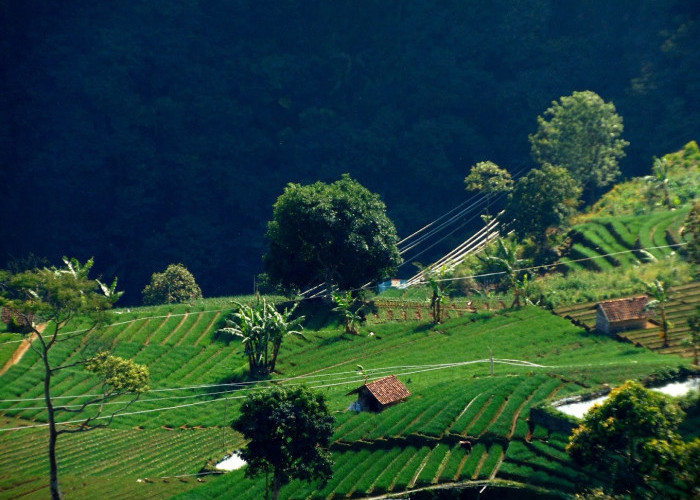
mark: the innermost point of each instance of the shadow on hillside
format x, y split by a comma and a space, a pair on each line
239, 379
224, 337
424, 327
342, 337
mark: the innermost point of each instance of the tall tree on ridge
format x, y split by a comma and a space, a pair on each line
489, 179
581, 133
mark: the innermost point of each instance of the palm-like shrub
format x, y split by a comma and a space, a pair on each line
175, 285
261, 328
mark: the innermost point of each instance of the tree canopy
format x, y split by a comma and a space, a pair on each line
289, 431
175, 284
46, 301
632, 438
262, 328
167, 139
489, 179
338, 234
581, 133
541, 200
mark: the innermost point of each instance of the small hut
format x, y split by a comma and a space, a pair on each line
377, 395
622, 314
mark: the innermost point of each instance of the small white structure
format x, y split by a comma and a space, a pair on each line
675, 389
232, 462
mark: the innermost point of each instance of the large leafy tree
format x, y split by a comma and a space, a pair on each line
632, 439
541, 200
56, 305
289, 431
338, 234
582, 133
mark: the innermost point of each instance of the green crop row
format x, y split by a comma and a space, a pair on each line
526, 474
150, 329
491, 413
504, 422
450, 471
215, 363
203, 333
620, 231
174, 328
488, 466
132, 328
589, 257
407, 474
378, 463
472, 462
432, 467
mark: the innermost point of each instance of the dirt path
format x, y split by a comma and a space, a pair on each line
21, 350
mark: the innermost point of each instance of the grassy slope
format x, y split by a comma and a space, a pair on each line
326, 360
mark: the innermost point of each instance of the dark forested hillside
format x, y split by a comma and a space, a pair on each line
149, 133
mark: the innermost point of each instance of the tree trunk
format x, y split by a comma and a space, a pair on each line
276, 487
664, 326
275, 352
53, 433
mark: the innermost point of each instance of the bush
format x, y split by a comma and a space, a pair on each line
175, 285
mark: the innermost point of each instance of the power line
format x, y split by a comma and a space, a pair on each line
408, 370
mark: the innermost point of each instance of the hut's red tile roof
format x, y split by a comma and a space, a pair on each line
388, 390
625, 309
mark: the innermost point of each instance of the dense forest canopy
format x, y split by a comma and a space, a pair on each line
150, 133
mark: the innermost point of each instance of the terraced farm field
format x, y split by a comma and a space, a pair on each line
198, 380
683, 303
606, 242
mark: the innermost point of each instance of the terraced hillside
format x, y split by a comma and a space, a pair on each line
198, 380
606, 242
683, 303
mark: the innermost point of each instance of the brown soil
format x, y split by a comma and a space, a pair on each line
21, 350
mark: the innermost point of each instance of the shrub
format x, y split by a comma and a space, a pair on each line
175, 285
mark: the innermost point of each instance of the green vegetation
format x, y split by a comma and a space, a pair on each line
337, 234
581, 133
288, 433
49, 302
453, 398
631, 438
639, 196
542, 200
481, 374
176, 284
262, 328
489, 179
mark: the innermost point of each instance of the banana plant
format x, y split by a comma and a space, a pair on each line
262, 328
347, 305
506, 259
